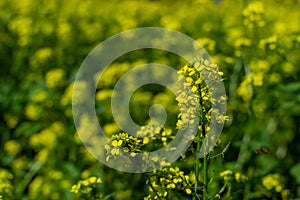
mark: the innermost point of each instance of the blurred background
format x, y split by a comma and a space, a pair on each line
42, 44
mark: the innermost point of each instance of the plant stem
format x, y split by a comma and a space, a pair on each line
197, 162
205, 159
205, 174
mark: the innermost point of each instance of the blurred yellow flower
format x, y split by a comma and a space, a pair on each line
226, 173
39, 96
33, 112
258, 79
12, 147
42, 55
35, 185
273, 181
288, 68
11, 120
45, 138
82, 185
275, 78
240, 177
6, 186
207, 43
245, 90
110, 129
55, 78
64, 30
20, 164
43, 156
115, 151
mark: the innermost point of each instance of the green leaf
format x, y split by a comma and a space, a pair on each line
295, 171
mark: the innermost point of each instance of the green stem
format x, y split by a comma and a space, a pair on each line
197, 163
205, 158
205, 174
228, 195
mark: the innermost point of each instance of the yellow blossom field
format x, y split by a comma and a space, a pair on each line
254, 46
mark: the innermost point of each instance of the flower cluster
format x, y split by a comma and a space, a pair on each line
6, 187
148, 137
228, 175
55, 78
275, 183
45, 140
169, 183
259, 71
88, 188
86, 185
232, 181
254, 15
194, 92
12, 147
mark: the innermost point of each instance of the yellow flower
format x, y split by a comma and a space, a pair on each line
33, 112
253, 14
244, 90
171, 185
12, 147
226, 173
43, 55
115, 151
189, 80
92, 180
56, 175
258, 79
75, 188
187, 178
58, 128
146, 140
103, 95
240, 177
288, 68
117, 143
45, 138
154, 159
55, 78
188, 191
284, 194
242, 42
35, 185
64, 30
85, 182
273, 181
43, 156
20, 164
11, 120
194, 88
39, 96
67, 96
207, 43
164, 163
275, 78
